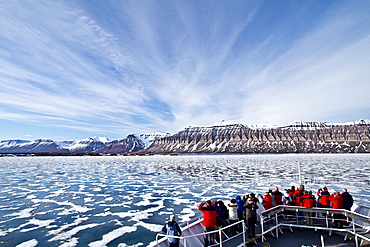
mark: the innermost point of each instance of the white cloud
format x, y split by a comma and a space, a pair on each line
145, 66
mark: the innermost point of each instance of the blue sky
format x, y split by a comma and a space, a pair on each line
75, 69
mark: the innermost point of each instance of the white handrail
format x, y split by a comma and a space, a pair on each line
349, 214
355, 217
219, 231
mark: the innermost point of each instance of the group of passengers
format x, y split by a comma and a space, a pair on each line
218, 215
303, 198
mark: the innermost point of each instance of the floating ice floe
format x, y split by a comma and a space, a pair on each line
107, 238
29, 243
69, 234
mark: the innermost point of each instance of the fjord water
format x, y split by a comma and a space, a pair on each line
125, 200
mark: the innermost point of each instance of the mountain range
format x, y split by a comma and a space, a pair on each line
223, 137
129, 144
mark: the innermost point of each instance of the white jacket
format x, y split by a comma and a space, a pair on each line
233, 214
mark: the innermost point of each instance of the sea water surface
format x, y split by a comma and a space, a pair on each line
125, 200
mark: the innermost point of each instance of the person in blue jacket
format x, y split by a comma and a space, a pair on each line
171, 228
240, 210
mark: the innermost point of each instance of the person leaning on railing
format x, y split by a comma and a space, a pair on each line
209, 220
233, 216
251, 217
347, 199
337, 203
308, 201
171, 228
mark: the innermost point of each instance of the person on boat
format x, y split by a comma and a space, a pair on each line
286, 198
324, 195
223, 214
277, 196
297, 195
245, 198
347, 199
209, 221
267, 201
171, 228
251, 217
337, 203
233, 216
253, 197
240, 203
240, 211
291, 194
323, 198
308, 201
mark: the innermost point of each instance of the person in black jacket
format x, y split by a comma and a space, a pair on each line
171, 228
347, 199
251, 217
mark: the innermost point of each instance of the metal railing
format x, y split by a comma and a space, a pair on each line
281, 213
219, 235
284, 216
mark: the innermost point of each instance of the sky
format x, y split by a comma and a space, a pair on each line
83, 68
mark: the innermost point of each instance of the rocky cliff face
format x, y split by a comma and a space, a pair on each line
298, 137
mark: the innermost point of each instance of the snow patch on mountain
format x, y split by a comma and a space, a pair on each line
130, 144
85, 145
224, 123
148, 138
12, 143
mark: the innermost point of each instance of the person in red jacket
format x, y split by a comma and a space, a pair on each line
297, 196
267, 201
308, 201
324, 197
336, 200
278, 196
337, 203
209, 221
324, 201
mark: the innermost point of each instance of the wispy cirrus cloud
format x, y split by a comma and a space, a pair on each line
121, 67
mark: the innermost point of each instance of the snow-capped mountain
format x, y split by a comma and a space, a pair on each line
223, 137
36, 146
130, 144
88, 145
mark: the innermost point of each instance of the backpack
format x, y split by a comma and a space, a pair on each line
172, 231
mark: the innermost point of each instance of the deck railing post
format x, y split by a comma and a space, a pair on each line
277, 223
322, 241
297, 215
220, 234
244, 230
354, 231
262, 228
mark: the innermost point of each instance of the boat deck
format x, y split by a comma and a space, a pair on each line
295, 237
285, 226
